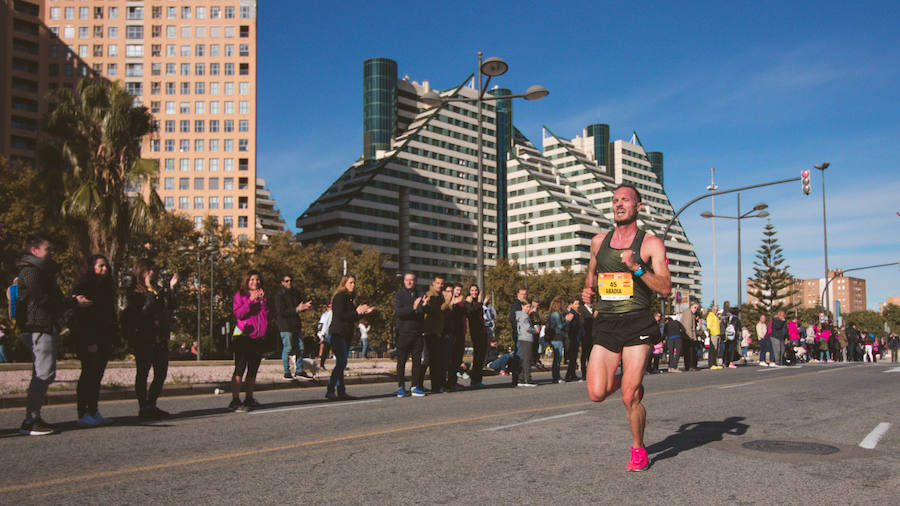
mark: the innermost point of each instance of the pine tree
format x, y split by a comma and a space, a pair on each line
771, 281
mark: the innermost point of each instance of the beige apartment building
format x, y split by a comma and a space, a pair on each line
191, 62
849, 291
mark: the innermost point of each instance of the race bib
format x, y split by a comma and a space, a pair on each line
615, 285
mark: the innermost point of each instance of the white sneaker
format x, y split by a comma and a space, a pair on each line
102, 420
88, 420
527, 384
763, 364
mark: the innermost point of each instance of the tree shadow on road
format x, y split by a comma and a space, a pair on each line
696, 434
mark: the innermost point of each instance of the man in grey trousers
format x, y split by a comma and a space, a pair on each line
39, 312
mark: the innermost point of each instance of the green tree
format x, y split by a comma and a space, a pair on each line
771, 280
90, 145
867, 321
891, 313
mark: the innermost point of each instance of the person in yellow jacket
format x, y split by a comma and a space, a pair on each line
714, 327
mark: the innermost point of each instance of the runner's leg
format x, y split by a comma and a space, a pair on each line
633, 360
601, 374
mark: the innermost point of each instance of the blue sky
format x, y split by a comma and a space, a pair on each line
758, 90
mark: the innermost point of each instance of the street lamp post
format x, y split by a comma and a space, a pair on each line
210, 250
713, 187
822, 168
490, 67
525, 224
760, 211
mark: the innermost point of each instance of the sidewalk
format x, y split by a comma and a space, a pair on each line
184, 378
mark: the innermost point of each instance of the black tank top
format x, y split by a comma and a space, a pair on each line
617, 287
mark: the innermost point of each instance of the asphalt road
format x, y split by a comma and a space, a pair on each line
731, 436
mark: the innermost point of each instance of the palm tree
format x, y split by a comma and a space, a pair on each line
92, 147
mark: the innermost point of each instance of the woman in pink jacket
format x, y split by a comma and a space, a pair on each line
252, 316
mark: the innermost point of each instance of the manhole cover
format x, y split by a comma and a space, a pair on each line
765, 445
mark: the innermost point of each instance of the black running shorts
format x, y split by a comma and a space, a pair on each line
615, 331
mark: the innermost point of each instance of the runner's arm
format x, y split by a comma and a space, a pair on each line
591, 277
659, 280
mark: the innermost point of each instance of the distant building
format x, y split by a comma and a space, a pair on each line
850, 292
268, 217
890, 300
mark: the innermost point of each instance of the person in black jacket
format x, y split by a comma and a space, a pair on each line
288, 305
345, 314
94, 329
146, 326
409, 308
39, 314
455, 335
477, 332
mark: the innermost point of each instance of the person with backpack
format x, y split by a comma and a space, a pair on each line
94, 329
732, 326
40, 306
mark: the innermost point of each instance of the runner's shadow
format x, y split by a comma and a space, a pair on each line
696, 434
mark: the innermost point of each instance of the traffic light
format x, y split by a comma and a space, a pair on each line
804, 181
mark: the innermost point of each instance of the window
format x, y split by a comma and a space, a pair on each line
228, 145
184, 107
245, 88
229, 12
199, 69
244, 49
213, 182
134, 88
229, 32
134, 12
98, 51
184, 183
199, 50
199, 88
154, 107
243, 125
170, 88
185, 69
171, 13
170, 107
182, 202
245, 31
171, 32
245, 12
112, 50
184, 164
229, 69
229, 125
83, 51
198, 166
155, 69
242, 202
228, 202
98, 31
242, 145
213, 69
156, 31
214, 12
200, 32
84, 32
98, 12
229, 88
169, 183
156, 50
244, 69
229, 50
184, 125
156, 12
54, 12
69, 32
198, 145
242, 222
243, 164
215, 32
134, 32
170, 69
170, 52
229, 107
186, 88
84, 13
184, 145
228, 183
134, 69
214, 145
113, 13
134, 50
170, 203
244, 107
213, 167
201, 12
186, 32
112, 32
185, 51
213, 126
199, 107
170, 125
170, 145
214, 202
154, 88
70, 12
229, 165
185, 13
213, 106
154, 145
214, 50
228, 221
198, 183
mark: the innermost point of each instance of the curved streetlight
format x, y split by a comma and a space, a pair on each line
758, 211
822, 168
490, 67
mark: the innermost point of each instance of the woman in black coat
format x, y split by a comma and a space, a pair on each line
345, 314
94, 328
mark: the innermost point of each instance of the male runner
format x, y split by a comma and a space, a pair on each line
626, 266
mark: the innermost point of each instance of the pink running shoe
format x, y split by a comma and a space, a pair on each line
639, 459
